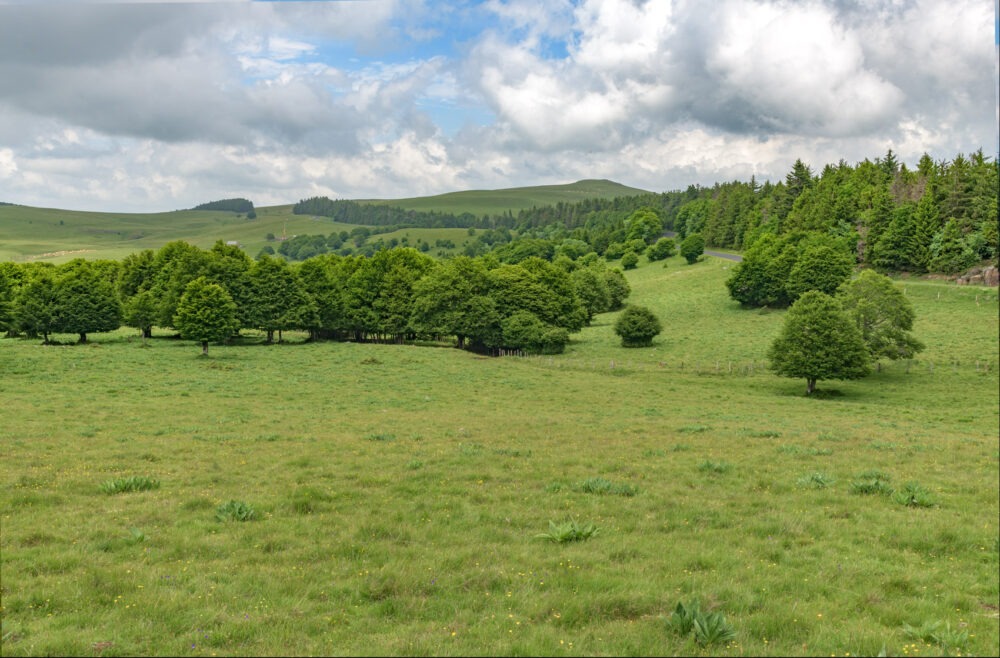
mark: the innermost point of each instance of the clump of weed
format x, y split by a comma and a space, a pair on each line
569, 531
128, 484
816, 480
414, 464
914, 495
708, 627
941, 634
307, 500
693, 429
762, 434
604, 486
554, 487
381, 436
715, 468
235, 510
872, 483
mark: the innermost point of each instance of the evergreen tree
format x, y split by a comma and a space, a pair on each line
950, 253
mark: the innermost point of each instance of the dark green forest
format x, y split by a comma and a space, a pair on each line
938, 216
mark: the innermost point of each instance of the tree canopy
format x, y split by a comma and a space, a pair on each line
819, 341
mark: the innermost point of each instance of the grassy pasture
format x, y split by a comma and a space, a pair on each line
400, 492
59, 235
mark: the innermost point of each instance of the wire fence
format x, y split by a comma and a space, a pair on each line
737, 368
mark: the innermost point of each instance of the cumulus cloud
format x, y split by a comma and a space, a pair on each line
126, 105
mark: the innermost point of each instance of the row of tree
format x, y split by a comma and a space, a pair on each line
394, 296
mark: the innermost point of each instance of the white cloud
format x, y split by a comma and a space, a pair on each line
798, 70
147, 107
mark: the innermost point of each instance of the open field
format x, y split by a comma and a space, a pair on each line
400, 492
60, 235
56, 236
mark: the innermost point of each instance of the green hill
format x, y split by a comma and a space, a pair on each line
29, 233
494, 202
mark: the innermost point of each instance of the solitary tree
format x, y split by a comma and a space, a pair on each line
693, 247
883, 315
819, 341
205, 313
637, 326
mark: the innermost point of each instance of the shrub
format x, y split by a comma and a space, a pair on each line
637, 326
630, 260
663, 248
692, 248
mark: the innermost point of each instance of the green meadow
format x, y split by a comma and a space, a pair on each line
356, 499
56, 236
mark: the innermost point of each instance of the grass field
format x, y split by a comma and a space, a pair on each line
56, 236
400, 492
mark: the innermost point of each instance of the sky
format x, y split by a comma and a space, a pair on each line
145, 106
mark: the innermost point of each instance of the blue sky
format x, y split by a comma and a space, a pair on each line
145, 106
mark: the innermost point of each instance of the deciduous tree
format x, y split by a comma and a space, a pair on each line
819, 341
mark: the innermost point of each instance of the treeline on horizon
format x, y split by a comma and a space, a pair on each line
397, 295
237, 205
940, 216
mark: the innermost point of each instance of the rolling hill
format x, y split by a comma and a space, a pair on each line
55, 235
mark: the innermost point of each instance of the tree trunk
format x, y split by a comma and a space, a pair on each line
147, 332
270, 335
279, 335
83, 337
204, 348
810, 386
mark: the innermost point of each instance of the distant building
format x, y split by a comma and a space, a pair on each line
233, 243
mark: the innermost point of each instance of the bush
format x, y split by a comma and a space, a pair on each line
637, 326
630, 260
663, 248
523, 330
693, 247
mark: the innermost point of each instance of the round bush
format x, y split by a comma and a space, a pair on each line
637, 326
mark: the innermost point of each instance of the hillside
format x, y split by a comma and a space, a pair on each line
55, 235
479, 202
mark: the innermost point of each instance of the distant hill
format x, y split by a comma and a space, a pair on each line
56, 235
495, 202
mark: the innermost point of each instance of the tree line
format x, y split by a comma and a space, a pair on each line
940, 216
237, 205
396, 295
